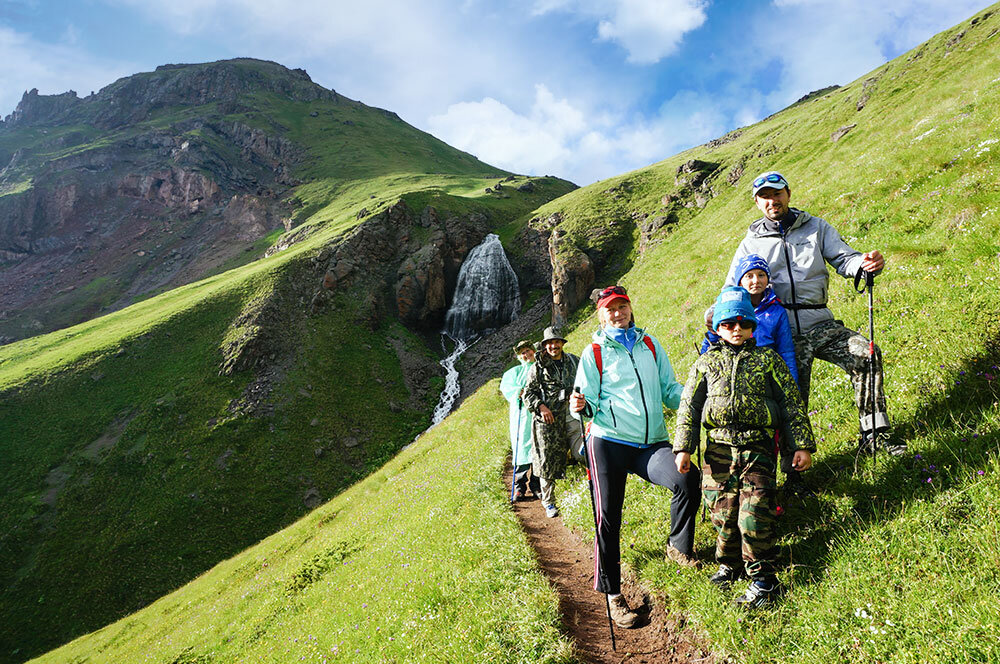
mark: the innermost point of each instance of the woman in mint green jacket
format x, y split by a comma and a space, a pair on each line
624, 380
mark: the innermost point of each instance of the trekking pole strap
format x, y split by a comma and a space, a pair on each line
869, 279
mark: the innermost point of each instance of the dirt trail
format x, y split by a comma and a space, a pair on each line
569, 565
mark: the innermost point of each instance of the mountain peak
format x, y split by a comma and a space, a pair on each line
133, 98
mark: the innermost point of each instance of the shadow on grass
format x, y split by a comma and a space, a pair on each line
883, 485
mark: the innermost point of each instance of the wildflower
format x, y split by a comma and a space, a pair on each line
980, 472
928, 480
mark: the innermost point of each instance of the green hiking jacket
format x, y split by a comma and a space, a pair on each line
741, 396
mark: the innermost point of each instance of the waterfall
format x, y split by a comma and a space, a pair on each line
487, 295
486, 298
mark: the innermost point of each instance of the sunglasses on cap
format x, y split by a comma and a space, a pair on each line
733, 324
773, 178
612, 290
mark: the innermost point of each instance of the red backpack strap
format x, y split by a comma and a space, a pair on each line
600, 366
649, 343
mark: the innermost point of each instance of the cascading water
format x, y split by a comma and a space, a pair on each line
486, 298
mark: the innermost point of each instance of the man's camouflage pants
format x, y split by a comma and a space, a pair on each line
738, 486
832, 342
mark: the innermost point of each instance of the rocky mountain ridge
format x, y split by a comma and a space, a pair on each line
160, 179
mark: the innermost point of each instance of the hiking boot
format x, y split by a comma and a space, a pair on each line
894, 446
551, 511
759, 594
681, 558
519, 495
724, 577
867, 445
623, 616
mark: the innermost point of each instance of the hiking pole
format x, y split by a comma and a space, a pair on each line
869, 285
593, 508
704, 506
517, 446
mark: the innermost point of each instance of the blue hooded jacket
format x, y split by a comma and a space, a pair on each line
773, 331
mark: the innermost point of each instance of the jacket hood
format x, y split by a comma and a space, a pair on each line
764, 227
599, 337
770, 298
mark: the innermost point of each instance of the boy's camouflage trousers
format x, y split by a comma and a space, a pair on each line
738, 486
832, 342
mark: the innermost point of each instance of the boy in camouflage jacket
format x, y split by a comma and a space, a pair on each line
741, 394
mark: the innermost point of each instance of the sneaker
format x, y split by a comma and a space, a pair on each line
551, 511
681, 558
724, 577
759, 594
519, 495
623, 616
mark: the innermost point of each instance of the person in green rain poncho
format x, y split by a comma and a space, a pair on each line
512, 387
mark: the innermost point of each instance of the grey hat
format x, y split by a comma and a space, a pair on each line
550, 334
524, 343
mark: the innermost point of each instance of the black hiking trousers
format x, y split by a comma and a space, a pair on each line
610, 465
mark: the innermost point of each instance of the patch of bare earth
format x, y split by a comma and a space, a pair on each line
568, 563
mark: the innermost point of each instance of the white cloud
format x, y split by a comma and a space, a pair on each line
822, 42
53, 68
557, 137
649, 30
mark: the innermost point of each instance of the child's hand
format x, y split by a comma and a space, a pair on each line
683, 461
802, 460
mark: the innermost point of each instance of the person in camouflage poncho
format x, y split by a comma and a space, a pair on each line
741, 394
554, 431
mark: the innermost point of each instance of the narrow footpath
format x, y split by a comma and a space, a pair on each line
568, 563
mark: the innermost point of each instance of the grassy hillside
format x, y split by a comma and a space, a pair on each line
893, 563
130, 464
355, 581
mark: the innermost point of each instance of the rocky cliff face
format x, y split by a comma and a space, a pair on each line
138, 207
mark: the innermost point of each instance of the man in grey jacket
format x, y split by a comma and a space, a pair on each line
798, 246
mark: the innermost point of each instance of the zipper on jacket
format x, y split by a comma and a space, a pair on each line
642, 395
791, 281
732, 381
614, 422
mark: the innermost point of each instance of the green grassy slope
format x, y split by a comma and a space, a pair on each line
355, 581
894, 563
130, 465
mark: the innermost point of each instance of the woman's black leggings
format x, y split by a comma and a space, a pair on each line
610, 464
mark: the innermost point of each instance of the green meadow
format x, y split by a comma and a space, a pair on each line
892, 560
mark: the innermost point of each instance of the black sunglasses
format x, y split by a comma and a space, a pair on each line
733, 324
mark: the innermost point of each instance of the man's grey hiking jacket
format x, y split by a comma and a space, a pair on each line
798, 264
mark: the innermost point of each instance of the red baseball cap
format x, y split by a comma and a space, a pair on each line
611, 293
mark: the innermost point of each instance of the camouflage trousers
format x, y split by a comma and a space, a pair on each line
738, 486
832, 342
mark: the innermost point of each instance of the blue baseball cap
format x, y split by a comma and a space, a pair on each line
733, 303
772, 179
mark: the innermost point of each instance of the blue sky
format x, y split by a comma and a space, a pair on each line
582, 89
